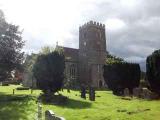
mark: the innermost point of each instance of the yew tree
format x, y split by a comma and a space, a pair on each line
48, 71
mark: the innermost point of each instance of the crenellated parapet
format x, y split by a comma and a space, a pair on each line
93, 23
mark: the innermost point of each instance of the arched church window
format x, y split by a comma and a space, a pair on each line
72, 71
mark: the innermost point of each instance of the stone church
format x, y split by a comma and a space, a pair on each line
85, 65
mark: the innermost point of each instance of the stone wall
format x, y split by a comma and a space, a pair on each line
50, 115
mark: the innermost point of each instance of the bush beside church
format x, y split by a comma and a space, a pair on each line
119, 76
153, 71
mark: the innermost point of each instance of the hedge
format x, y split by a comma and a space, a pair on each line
119, 76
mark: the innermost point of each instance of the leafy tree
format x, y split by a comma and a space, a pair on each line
46, 50
31, 59
49, 71
11, 43
111, 59
119, 74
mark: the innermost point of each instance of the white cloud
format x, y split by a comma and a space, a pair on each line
43, 21
115, 24
132, 26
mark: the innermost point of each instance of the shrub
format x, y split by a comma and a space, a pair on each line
119, 76
153, 71
48, 71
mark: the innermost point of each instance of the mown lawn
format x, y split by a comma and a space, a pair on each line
106, 107
21, 106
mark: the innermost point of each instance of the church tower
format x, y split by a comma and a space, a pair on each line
92, 53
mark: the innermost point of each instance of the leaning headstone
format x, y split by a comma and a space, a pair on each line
83, 92
145, 94
126, 92
91, 94
50, 115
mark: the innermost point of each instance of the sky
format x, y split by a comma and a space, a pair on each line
132, 26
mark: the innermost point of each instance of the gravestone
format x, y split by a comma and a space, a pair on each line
83, 92
126, 92
50, 115
137, 92
91, 94
147, 94
144, 93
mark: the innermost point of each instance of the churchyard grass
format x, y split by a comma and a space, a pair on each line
106, 107
20, 106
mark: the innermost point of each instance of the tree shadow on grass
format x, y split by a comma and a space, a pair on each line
77, 104
16, 107
73, 104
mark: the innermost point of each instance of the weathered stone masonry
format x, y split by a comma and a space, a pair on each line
85, 64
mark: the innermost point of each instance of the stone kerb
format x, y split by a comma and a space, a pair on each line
50, 115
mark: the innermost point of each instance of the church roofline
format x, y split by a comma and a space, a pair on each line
67, 48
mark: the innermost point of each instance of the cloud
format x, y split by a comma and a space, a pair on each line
114, 24
132, 26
